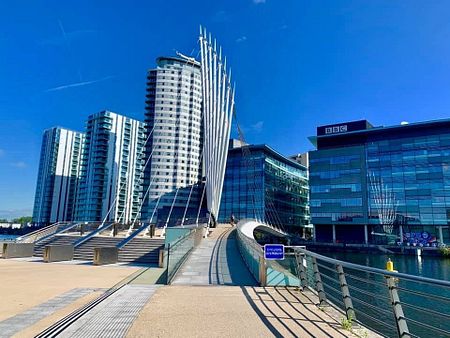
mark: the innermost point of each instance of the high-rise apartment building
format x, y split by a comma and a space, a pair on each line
174, 128
58, 175
111, 169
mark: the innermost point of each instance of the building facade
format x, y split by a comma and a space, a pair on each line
174, 130
262, 184
58, 176
383, 185
111, 169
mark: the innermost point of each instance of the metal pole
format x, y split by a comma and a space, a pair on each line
301, 271
262, 272
399, 317
319, 285
348, 304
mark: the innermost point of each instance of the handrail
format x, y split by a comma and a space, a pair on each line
57, 232
34, 234
92, 234
352, 288
376, 270
126, 240
366, 295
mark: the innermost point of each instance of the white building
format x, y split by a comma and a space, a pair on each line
111, 169
58, 175
174, 123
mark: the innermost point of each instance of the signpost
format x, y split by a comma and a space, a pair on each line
274, 251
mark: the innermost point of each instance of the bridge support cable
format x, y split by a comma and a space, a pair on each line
189, 198
153, 214
170, 212
140, 207
187, 205
200, 205
126, 178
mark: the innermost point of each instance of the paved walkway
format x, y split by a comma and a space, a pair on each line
17, 323
233, 311
114, 316
216, 261
28, 284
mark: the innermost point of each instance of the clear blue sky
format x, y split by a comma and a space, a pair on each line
297, 64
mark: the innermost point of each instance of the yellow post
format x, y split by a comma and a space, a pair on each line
390, 265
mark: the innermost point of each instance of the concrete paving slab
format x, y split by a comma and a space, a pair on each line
234, 311
27, 284
19, 322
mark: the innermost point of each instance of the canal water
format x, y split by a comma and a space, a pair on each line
7, 237
427, 304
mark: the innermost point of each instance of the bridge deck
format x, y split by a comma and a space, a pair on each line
216, 261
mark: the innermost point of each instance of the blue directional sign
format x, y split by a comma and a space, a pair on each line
274, 251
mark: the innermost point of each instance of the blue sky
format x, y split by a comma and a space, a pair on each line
297, 64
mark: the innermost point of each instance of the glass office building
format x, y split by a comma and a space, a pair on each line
382, 185
261, 183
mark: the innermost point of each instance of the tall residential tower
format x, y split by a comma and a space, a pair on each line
58, 175
174, 127
111, 169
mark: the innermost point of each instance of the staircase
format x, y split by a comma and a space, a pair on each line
141, 250
85, 251
55, 240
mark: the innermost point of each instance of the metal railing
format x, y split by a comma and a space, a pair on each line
42, 233
93, 230
389, 303
252, 254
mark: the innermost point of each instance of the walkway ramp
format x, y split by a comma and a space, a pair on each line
215, 261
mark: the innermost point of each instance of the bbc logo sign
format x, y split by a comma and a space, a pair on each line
336, 129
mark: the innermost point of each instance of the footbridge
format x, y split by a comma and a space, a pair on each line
219, 284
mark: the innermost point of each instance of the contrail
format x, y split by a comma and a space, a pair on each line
69, 49
78, 84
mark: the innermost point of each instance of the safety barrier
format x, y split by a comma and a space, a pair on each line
388, 302
176, 252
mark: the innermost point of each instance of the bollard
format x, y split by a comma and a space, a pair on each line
389, 265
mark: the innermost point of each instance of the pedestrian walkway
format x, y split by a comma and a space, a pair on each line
21, 321
114, 316
215, 261
236, 311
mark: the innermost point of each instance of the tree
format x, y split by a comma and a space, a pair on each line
22, 220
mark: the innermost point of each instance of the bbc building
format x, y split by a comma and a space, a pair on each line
381, 185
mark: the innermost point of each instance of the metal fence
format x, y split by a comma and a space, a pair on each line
389, 303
